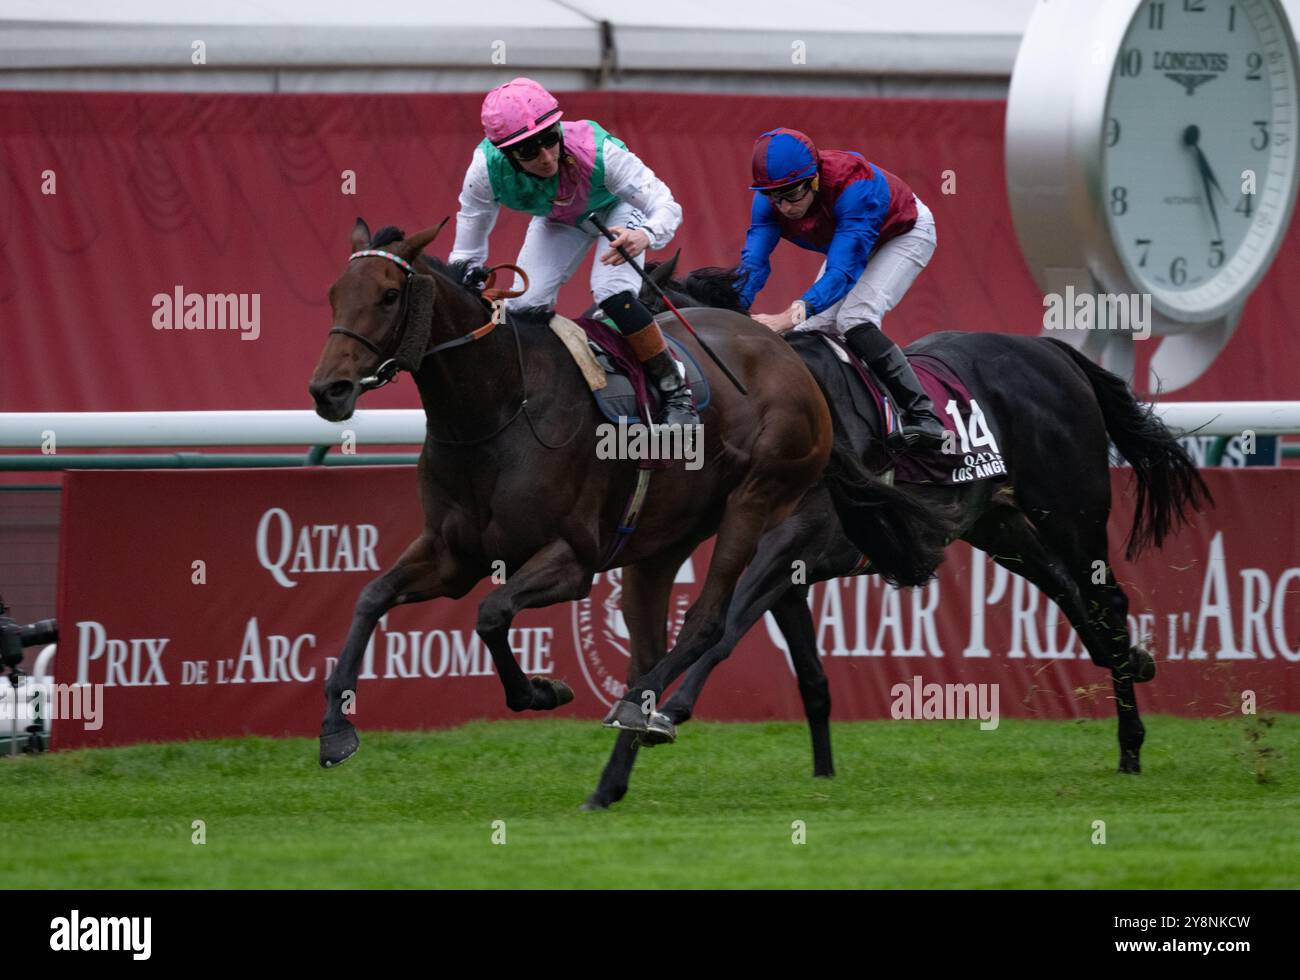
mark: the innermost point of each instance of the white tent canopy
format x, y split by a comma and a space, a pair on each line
941, 48
859, 46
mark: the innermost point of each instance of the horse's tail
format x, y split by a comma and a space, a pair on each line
902, 535
1168, 484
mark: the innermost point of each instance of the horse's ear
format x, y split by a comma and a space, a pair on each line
360, 235
414, 245
663, 272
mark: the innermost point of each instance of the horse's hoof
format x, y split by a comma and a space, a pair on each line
1142, 664
826, 774
1129, 766
549, 694
338, 747
626, 716
660, 730
593, 805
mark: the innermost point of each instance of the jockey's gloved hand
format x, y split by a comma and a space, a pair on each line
474, 277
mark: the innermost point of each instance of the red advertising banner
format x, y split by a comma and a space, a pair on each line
253, 196
200, 603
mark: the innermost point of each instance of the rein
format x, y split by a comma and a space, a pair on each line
389, 365
497, 297
491, 294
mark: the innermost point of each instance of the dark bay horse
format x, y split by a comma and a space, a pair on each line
1053, 411
509, 471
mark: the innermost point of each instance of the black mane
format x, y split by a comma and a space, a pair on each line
717, 286
713, 285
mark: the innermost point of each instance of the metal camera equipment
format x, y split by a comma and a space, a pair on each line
14, 637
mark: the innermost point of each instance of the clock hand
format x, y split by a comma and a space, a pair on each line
1205, 168
1191, 136
1207, 178
1206, 172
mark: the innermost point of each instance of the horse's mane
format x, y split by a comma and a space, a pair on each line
713, 285
463, 273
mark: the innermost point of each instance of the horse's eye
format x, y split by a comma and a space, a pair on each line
391, 296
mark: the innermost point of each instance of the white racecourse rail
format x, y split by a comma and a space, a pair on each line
395, 427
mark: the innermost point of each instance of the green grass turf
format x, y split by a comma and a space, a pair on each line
915, 805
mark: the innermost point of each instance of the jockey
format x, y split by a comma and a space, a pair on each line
876, 235
560, 172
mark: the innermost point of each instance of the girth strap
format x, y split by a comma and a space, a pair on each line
627, 523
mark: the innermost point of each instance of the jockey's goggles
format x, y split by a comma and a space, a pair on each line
788, 194
528, 149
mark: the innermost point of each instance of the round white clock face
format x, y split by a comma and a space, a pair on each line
1199, 158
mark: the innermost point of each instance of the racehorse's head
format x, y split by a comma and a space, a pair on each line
374, 304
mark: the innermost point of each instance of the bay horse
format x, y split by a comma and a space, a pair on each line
1055, 412
509, 472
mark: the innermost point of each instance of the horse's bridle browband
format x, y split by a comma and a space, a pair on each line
388, 367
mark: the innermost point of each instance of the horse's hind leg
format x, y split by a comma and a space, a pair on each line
1085, 551
423, 572
1069, 506
795, 620
1057, 556
647, 587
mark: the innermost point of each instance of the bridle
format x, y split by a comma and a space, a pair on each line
391, 363
410, 360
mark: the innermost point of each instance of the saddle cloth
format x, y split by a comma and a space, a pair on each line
975, 452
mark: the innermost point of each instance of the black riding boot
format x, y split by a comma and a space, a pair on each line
921, 427
636, 324
678, 407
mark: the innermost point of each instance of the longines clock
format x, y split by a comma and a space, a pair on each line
1151, 150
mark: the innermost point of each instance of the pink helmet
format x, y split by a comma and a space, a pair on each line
518, 109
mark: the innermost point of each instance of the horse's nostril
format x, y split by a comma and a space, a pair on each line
329, 392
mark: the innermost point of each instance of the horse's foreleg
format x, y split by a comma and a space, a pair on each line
552, 575
420, 574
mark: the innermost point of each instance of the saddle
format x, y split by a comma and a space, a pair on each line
627, 394
976, 454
